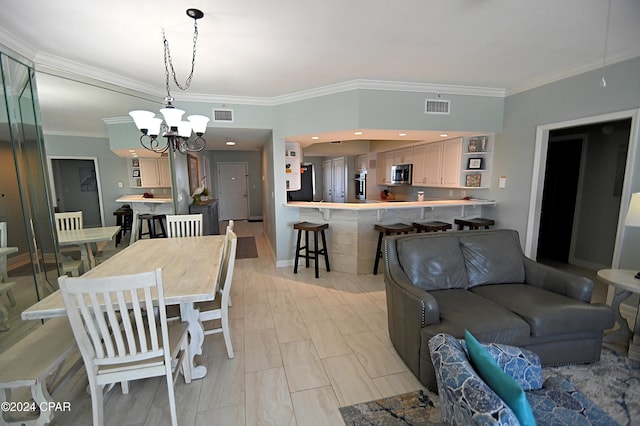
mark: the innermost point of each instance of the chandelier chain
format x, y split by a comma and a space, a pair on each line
168, 62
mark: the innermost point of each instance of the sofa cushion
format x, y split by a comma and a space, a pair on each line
488, 321
499, 381
492, 257
432, 263
547, 313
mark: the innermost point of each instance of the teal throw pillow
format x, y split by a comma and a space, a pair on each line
500, 382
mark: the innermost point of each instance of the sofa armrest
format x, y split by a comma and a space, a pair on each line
557, 281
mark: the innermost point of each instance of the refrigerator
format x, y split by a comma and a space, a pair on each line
307, 185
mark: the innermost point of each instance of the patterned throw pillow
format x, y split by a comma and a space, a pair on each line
501, 383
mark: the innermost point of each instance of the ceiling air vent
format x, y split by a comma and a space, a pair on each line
437, 106
223, 115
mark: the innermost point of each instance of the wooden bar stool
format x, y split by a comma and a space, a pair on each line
396, 228
124, 217
151, 225
474, 223
434, 226
311, 254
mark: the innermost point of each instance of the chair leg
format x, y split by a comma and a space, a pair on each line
326, 255
315, 247
295, 265
172, 397
11, 297
306, 248
226, 333
97, 403
378, 254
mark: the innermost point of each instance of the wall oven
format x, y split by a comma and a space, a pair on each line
361, 186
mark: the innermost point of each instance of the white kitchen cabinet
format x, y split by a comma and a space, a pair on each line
437, 164
384, 162
361, 162
402, 156
154, 173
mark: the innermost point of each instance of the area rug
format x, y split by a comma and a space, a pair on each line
613, 383
413, 408
246, 248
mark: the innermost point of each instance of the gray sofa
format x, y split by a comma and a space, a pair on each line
481, 281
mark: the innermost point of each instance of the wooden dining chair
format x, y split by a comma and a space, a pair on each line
68, 220
184, 225
123, 343
218, 309
4, 276
103, 255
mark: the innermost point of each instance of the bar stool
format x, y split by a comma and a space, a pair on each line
397, 229
311, 254
151, 225
124, 216
474, 223
434, 226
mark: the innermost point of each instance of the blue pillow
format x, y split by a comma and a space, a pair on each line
499, 381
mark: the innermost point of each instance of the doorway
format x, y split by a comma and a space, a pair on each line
232, 191
580, 184
74, 187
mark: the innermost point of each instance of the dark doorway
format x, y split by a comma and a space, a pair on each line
584, 176
76, 188
559, 199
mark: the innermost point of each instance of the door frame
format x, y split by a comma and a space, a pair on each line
539, 169
52, 186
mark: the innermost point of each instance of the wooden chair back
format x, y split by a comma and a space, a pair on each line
118, 335
68, 221
184, 225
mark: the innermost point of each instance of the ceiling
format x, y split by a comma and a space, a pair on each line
98, 61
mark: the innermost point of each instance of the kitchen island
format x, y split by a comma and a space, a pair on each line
351, 238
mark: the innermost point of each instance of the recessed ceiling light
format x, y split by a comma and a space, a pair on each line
230, 143
444, 135
402, 134
315, 138
357, 133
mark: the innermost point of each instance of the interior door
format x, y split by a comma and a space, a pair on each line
339, 187
75, 181
327, 181
232, 191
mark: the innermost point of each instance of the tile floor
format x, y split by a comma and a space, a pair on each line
303, 347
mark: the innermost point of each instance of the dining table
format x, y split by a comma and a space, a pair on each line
190, 268
84, 238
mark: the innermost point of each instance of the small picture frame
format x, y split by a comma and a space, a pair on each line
475, 163
136, 173
135, 163
473, 181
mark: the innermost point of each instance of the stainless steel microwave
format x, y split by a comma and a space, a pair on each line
401, 174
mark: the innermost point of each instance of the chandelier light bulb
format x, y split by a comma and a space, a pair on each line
199, 123
141, 118
184, 129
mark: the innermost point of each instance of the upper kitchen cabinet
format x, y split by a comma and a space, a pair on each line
292, 157
437, 164
152, 173
476, 161
361, 162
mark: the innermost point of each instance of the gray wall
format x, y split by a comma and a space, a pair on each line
569, 99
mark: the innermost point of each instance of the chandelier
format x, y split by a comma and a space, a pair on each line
175, 131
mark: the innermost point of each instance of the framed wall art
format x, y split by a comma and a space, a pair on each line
475, 163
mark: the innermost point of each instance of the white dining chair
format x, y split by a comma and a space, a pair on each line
123, 343
218, 309
184, 225
68, 220
4, 276
103, 255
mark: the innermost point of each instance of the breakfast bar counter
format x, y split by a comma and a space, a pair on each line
351, 237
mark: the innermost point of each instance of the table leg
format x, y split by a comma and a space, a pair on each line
623, 332
84, 256
190, 314
634, 344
